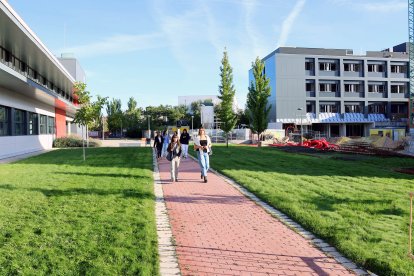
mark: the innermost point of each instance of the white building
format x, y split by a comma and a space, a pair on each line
36, 90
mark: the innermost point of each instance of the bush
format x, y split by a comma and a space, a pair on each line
73, 142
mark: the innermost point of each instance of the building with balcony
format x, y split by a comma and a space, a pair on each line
336, 92
36, 91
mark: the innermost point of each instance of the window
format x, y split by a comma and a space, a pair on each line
4, 121
327, 66
33, 124
400, 88
377, 68
327, 87
332, 108
399, 108
50, 125
351, 67
309, 108
309, 65
352, 87
377, 108
354, 108
376, 88
19, 122
398, 69
310, 87
43, 124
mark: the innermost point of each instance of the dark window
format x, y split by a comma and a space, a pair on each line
377, 108
328, 108
50, 125
310, 87
4, 121
353, 108
308, 65
33, 124
19, 122
43, 124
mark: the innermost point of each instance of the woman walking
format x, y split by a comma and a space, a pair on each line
202, 144
158, 142
174, 150
166, 141
184, 139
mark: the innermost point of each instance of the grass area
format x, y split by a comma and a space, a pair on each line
62, 216
356, 203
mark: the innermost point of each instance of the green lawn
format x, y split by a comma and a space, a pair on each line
62, 216
356, 203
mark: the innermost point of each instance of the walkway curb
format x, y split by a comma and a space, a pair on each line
318, 243
166, 249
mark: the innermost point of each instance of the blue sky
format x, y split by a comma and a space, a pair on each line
157, 50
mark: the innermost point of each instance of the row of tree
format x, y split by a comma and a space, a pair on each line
133, 120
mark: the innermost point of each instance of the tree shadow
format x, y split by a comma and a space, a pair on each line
125, 193
103, 174
207, 199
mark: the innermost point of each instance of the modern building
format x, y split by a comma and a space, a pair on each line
36, 90
338, 93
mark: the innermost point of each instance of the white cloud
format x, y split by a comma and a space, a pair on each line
116, 44
289, 21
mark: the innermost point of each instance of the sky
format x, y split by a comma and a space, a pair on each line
157, 50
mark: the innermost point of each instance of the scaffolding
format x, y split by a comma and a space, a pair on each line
411, 63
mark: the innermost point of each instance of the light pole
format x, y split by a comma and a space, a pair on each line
301, 126
192, 125
149, 128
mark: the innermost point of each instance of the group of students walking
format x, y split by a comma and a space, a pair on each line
177, 146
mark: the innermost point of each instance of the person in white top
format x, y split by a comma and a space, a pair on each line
202, 144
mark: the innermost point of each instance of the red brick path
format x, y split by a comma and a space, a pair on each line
218, 231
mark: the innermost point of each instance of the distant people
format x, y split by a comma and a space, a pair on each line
166, 141
174, 149
158, 143
184, 140
202, 144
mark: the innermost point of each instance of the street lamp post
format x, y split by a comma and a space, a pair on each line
149, 128
192, 124
301, 126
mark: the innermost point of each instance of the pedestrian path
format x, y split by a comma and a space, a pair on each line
218, 231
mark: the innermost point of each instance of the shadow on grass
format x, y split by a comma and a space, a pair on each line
126, 193
375, 206
103, 174
274, 160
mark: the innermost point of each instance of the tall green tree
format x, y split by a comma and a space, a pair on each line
90, 112
257, 106
115, 115
226, 90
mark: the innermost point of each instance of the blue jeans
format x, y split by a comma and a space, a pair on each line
204, 162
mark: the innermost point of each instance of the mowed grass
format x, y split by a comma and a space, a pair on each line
62, 216
359, 204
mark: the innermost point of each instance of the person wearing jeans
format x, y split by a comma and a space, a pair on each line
202, 144
166, 141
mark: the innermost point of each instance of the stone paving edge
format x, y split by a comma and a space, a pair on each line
317, 242
166, 249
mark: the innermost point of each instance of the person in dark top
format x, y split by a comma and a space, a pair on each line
174, 148
184, 140
158, 142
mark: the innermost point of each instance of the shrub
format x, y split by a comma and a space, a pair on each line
73, 142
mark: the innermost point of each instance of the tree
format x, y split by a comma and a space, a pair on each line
132, 118
226, 89
115, 115
257, 106
89, 113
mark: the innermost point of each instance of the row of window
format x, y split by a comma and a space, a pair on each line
14, 122
357, 88
16, 64
399, 108
356, 67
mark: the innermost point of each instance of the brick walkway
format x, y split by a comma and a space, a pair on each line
218, 231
